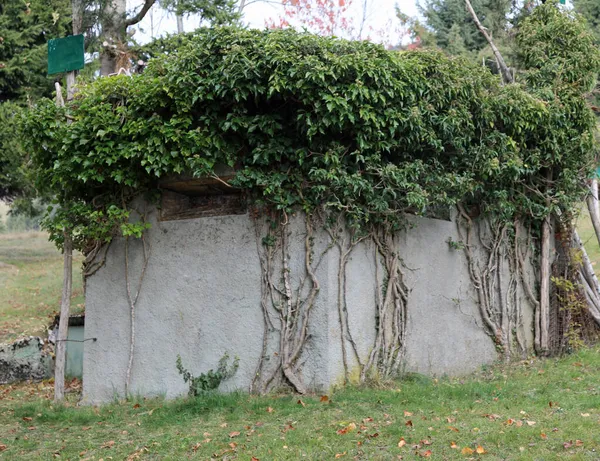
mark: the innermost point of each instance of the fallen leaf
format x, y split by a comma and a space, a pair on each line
233, 434
270, 410
324, 398
339, 455
109, 444
367, 420
426, 454
451, 420
233, 445
453, 445
223, 425
531, 423
568, 445
254, 459
585, 415
27, 418
453, 429
509, 422
3, 447
137, 405
425, 442
519, 423
401, 443
408, 423
467, 451
543, 436
300, 402
578, 443
480, 450
407, 413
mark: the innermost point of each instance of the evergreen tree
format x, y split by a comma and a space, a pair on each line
456, 43
590, 10
449, 19
25, 28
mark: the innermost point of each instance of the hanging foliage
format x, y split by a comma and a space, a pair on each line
312, 122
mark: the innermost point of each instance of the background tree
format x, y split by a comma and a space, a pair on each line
343, 18
25, 28
590, 10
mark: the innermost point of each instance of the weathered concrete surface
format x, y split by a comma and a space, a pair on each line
25, 359
201, 298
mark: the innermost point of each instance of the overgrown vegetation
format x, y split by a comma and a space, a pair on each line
309, 121
211, 380
543, 409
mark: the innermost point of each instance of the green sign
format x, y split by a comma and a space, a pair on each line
65, 54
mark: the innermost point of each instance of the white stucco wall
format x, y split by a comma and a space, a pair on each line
201, 295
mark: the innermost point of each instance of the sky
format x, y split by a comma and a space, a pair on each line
157, 22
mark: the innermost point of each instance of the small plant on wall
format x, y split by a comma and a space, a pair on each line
211, 380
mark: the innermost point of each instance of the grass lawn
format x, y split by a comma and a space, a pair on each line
538, 410
31, 284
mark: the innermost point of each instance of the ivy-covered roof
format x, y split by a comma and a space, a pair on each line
314, 122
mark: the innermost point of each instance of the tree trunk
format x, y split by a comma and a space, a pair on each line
113, 34
77, 8
505, 72
592, 204
544, 325
63, 324
595, 194
179, 24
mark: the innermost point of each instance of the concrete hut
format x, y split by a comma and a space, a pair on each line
201, 296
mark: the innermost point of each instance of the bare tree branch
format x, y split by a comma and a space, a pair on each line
140, 14
507, 76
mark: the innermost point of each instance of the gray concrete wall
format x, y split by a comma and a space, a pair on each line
201, 296
25, 359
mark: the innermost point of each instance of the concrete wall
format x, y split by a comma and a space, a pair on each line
25, 359
201, 298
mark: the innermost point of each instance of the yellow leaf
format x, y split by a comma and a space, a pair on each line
339, 455
401, 443
467, 451
480, 450
453, 445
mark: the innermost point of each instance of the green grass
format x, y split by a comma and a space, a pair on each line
526, 412
31, 284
